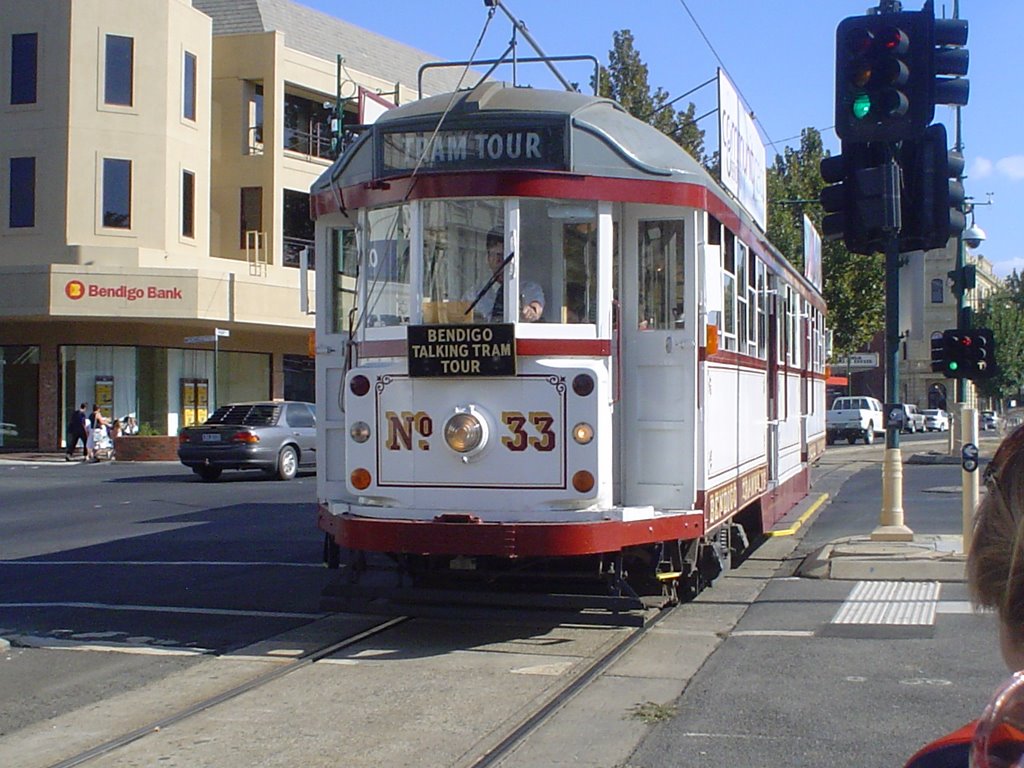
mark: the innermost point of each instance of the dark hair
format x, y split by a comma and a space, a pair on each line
495, 237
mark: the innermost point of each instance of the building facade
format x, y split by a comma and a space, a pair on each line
156, 158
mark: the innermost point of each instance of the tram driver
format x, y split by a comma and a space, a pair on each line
489, 294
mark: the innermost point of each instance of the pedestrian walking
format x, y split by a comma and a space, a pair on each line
76, 432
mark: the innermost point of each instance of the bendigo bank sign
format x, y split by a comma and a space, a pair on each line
119, 293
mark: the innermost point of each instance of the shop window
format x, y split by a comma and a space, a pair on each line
119, 71
22, 193
117, 193
19, 397
24, 68
188, 87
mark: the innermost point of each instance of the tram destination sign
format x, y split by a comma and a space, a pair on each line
462, 350
535, 145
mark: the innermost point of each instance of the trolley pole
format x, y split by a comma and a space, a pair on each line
891, 526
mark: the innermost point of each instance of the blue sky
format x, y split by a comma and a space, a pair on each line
780, 55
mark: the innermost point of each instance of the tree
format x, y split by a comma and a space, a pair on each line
625, 81
1003, 312
854, 284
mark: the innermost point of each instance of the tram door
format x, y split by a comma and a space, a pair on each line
335, 290
658, 370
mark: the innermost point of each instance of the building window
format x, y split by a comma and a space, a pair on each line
117, 193
120, 65
188, 105
254, 119
24, 68
188, 204
938, 290
298, 227
251, 219
23, 192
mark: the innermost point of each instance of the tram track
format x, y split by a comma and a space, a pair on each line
209, 702
502, 737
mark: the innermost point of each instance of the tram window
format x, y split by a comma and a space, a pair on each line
455, 259
762, 312
729, 291
386, 260
661, 295
341, 245
752, 297
579, 246
742, 297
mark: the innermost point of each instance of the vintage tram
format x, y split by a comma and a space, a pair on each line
548, 341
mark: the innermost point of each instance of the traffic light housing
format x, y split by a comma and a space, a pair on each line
933, 196
883, 79
893, 68
966, 354
860, 199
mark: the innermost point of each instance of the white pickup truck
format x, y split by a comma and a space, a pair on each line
854, 417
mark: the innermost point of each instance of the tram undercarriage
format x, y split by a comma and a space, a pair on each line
648, 576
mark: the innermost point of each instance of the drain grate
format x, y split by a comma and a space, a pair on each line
895, 603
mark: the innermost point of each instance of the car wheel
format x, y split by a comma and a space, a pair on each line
851, 439
869, 434
208, 474
287, 463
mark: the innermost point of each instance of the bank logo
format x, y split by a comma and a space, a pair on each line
75, 289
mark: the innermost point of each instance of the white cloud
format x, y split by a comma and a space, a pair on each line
981, 168
1012, 167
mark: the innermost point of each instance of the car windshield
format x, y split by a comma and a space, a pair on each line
246, 415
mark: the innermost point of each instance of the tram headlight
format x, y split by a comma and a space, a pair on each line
359, 431
465, 431
583, 433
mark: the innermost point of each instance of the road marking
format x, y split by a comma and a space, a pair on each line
52, 643
957, 606
772, 633
172, 609
904, 603
800, 520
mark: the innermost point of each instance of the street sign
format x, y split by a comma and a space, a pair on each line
200, 339
856, 361
222, 332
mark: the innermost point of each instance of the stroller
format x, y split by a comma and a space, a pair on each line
103, 444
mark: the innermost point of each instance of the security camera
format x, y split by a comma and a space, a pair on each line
973, 236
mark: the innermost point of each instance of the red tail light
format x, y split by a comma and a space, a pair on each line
182, 439
245, 436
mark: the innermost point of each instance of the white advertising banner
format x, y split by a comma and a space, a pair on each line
742, 153
812, 254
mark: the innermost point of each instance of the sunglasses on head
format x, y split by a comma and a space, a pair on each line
999, 735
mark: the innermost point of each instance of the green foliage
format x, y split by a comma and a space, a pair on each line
854, 284
1003, 312
148, 430
625, 81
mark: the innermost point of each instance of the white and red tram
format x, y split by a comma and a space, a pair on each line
664, 409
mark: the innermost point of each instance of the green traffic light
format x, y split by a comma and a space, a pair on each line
953, 365
861, 106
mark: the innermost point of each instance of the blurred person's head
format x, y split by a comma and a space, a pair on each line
495, 248
995, 563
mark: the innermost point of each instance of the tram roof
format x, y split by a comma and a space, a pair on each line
606, 140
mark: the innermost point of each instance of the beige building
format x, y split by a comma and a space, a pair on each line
156, 159
931, 308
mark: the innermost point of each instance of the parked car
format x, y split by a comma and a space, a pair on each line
277, 437
854, 418
936, 420
989, 420
913, 419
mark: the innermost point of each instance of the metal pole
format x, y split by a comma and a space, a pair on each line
216, 357
525, 33
891, 526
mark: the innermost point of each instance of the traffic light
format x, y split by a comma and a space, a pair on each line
859, 204
967, 354
884, 81
963, 279
932, 198
949, 59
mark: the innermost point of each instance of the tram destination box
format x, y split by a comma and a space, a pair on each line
462, 350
